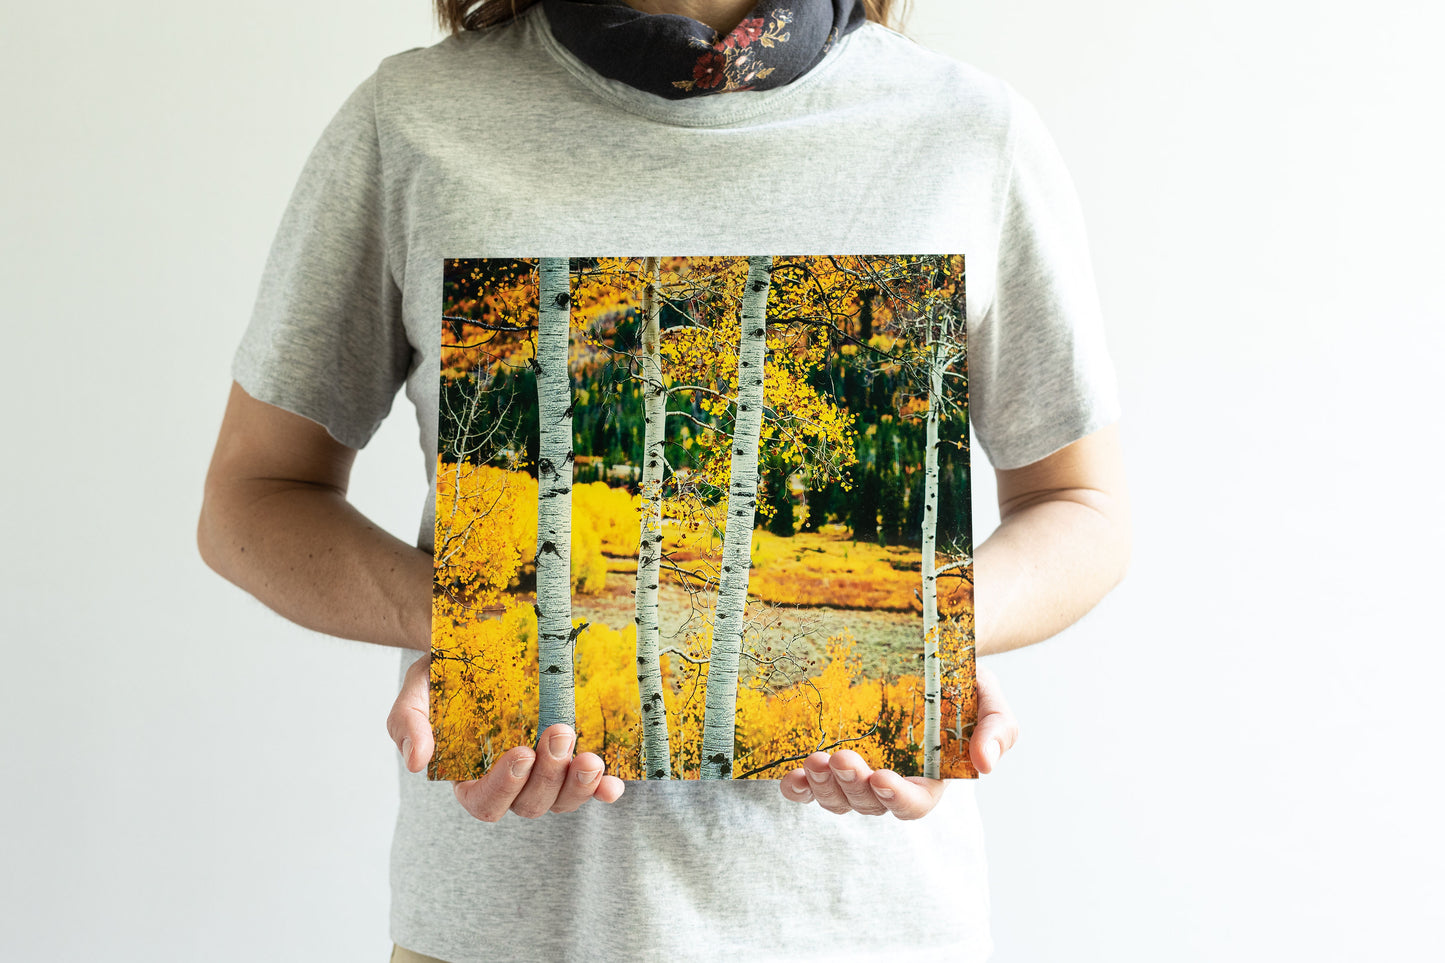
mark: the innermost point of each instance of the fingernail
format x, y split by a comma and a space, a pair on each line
406, 751
991, 751
847, 775
817, 776
521, 767
587, 778
560, 746
884, 792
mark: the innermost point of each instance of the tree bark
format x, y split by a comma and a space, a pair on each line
938, 345
555, 684
720, 716
656, 753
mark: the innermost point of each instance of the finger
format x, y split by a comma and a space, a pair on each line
554, 756
997, 729
907, 797
794, 786
409, 722
824, 786
489, 797
851, 772
609, 789
582, 779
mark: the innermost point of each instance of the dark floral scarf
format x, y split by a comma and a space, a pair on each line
674, 56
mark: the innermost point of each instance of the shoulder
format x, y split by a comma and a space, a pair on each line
419, 66
497, 61
905, 67
982, 109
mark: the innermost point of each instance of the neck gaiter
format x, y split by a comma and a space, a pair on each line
674, 56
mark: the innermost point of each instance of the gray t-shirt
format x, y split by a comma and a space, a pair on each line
501, 143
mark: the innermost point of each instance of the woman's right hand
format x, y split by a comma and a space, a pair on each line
523, 780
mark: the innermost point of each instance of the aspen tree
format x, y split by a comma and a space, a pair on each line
931, 738
719, 719
656, 757
555, 636
945, 347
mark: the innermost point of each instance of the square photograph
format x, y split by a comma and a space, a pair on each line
712, 512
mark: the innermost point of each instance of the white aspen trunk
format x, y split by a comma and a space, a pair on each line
555, 686
720, 716
932, 735
656, 753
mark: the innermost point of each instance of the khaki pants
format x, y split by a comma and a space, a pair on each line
400, 955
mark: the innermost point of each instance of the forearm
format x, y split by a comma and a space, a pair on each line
1042, 569
311, 556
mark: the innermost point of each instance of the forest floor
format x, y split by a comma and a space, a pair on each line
803, 589
887, 642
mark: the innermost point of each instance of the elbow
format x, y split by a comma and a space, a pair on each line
203, 542
208, 545
1123, 526
1112, 534
1125, 555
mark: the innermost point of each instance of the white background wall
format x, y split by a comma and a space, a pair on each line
1234, 757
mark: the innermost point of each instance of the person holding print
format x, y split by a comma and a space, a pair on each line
552, 128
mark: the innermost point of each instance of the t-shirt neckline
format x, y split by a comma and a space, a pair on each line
710, 110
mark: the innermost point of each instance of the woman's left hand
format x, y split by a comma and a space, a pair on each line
844, 782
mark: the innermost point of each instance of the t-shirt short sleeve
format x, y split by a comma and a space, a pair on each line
1040, 375
326, 338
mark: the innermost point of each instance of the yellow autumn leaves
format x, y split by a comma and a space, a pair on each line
484, 701
483, 670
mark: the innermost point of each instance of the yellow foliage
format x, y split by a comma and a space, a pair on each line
483, 686
604, 522
612, 513
484, 701
486, 530
778, 726
608, 721
818, 568
803, 428
589, 567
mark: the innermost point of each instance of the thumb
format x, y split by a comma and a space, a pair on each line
409, 722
